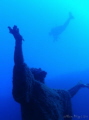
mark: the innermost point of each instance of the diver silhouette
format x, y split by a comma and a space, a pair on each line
56, 31
38, 102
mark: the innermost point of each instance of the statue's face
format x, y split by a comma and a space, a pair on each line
39, 74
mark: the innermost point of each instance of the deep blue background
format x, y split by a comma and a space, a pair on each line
66, 61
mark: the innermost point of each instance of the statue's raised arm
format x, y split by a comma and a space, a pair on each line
22, 76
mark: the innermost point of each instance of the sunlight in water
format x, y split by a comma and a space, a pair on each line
79, 6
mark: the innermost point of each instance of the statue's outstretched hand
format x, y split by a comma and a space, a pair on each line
15, 32
82, 84
87, 85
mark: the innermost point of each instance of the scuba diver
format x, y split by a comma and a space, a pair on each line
56, 31
38, 102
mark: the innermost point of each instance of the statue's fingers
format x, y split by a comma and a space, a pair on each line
10, 29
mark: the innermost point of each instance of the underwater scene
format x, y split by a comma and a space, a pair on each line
44, 58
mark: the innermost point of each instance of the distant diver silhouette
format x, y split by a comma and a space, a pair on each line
56, 31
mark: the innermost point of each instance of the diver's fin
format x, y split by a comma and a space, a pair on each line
71, 16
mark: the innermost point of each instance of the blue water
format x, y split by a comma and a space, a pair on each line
66, 60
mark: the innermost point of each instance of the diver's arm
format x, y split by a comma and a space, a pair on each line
76, 88
22, 76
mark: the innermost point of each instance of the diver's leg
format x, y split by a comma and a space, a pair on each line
55, 38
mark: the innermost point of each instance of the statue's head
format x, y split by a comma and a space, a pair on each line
39, 74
